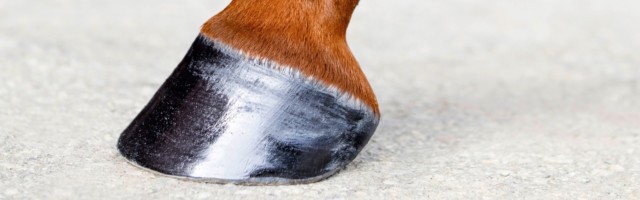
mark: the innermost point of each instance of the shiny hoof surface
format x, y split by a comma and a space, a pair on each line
225, 118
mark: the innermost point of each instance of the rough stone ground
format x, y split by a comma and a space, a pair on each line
491, 99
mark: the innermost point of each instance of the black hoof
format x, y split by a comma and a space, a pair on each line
222, 117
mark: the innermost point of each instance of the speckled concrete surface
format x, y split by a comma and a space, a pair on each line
489, 99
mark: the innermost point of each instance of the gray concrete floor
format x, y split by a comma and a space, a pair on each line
490, 99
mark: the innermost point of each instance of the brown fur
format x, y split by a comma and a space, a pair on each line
309, 35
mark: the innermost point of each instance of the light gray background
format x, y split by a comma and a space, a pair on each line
491, 99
